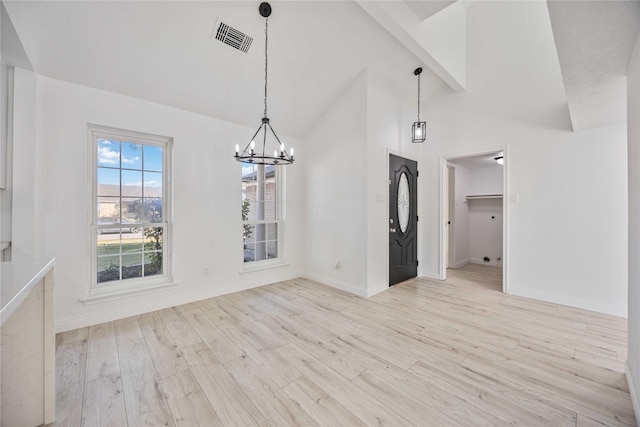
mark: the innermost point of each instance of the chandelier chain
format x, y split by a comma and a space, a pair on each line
418, 97
266, 61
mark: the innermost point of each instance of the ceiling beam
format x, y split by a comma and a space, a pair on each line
403, 24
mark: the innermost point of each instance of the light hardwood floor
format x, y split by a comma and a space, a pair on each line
424, 353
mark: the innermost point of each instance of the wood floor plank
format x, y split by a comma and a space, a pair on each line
102, 352
268, 398
321, 407
223, 348
424, 352
128, 329
180, 330
144, 400
362, 405
278, 369
232, 406
71, 361
103, 403
166, 356
187, 402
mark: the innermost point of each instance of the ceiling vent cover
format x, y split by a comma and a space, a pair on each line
232, 37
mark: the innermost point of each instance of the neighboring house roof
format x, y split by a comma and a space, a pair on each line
269, 172
111, 190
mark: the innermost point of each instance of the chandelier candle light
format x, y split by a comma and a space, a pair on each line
419, 129
264, 136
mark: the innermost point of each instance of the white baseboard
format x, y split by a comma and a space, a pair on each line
338, 284
377, 290
480, 261
430, 275
462, 263
633, 390
620, 311
176, 298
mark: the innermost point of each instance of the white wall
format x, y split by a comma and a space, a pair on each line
486, 216
485, 231
461, 216
5, 157
389, 120
26, 225
567, 236
633, 123
206, 200
486, 180
335, 193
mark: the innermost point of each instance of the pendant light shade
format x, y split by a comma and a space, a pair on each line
265, 148
419, 129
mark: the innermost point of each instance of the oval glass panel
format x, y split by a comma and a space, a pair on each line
404, 203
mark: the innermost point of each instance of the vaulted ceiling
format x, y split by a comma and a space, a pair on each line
162, 51
595, 40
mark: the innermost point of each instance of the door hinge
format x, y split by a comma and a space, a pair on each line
417, 218
417, 174
417, 263
389, 182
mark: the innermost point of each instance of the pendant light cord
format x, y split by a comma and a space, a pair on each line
418, 97
266, 42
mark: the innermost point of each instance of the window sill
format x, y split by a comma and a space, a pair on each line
104, 295
268, 265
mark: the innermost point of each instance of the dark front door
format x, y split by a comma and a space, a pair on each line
403, 219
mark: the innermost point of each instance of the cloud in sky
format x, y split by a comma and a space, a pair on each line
107, 156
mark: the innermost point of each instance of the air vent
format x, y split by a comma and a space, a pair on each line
232, 37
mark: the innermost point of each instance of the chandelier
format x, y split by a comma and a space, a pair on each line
259, 150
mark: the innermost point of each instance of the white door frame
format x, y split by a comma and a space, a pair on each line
450, 216
444, 201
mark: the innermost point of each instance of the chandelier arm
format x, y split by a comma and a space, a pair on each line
247, 147
286, 155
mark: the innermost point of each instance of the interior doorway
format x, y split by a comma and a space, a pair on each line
474, 212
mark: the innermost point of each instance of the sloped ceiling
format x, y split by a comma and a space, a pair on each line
161, 51
595, 40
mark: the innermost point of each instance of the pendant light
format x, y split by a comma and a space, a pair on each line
419, 129
265, 141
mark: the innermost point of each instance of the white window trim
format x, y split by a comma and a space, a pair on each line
135, 286
281, 260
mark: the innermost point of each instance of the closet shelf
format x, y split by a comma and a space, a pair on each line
484, 196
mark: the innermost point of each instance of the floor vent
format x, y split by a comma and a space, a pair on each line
232, 37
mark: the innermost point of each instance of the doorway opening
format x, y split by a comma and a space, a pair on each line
474, 213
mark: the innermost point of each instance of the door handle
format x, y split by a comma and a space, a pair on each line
392, 230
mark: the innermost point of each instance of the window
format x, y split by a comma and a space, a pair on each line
260, 212
130, 219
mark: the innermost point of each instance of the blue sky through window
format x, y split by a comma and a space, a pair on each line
133, 158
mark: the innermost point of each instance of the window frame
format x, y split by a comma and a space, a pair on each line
131, 285
281, 259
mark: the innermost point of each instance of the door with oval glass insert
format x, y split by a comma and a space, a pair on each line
403, 219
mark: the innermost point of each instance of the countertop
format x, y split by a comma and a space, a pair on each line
17, 279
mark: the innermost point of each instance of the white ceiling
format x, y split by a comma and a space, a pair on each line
594, 40
425, 9
479, 161
161, 51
